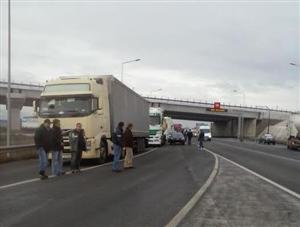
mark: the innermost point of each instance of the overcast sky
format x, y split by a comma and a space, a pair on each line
190, 49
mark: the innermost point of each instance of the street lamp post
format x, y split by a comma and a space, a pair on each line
243, 94
126, 62
294, 64
8, 102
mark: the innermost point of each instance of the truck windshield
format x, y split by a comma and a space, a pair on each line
65, 106
155, 120
205, 130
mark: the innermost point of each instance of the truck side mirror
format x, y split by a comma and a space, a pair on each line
34, 106
100, 104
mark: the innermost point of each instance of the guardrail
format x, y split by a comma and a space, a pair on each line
17, 152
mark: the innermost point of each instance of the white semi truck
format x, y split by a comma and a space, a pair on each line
98, 103
156, 136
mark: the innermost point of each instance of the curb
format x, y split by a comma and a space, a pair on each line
197, 196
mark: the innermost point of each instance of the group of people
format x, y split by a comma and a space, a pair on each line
50, 140
189, 135
123, 142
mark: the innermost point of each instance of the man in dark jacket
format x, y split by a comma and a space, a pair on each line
42, 139
201, 139
77, 145
189, 136
57, 148
118, 143
128, 145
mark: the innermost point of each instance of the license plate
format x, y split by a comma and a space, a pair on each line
66, 156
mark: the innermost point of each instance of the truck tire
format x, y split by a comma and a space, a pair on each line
103, 150
103, 157
141, 145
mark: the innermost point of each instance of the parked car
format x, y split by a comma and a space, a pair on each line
176, 137
267, 139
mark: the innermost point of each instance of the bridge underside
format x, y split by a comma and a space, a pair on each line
223, 126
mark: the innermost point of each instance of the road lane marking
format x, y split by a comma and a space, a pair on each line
259, 152
295, 194
69, 172
192, 202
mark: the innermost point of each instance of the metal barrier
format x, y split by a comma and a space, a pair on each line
17, 152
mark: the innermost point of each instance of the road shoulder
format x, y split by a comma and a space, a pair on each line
239, 198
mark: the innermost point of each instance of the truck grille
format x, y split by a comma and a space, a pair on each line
66, 141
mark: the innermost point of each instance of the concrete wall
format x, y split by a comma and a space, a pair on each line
263, 124
15, 153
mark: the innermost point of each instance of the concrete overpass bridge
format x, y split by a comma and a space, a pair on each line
21, 95
236, 121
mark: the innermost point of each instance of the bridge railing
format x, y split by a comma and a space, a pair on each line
223, 104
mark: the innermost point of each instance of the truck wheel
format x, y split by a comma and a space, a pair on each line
103, 157
103, 150
140, 145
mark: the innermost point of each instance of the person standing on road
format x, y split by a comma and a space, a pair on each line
201, 139
189, 136
128, 146
77, 145
42, 140
118, 142
184, 132
57, 148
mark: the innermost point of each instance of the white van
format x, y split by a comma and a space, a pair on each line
207, 132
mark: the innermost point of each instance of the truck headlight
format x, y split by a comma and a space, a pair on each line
88, 144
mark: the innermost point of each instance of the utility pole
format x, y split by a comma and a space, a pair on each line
8, 102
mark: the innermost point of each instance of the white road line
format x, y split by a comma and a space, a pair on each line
189, 206
69, 172
259, 152
295, 194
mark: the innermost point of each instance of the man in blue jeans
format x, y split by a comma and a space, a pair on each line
42, 139
117, 140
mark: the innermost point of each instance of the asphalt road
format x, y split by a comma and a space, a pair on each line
273, 162
149, 195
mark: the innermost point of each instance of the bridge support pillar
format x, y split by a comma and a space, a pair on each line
240, 131
249, 128
17, 102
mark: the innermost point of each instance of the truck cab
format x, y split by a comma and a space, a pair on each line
156, 137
